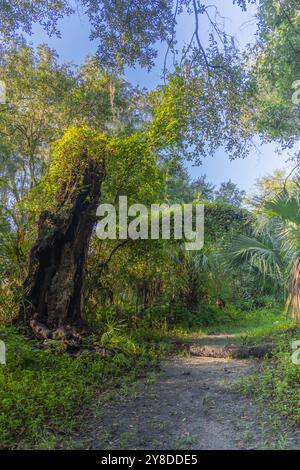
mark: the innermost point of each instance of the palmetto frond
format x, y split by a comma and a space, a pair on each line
285, 209
261, 254
286, 206
276, 250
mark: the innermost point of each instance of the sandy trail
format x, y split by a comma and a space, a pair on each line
192, 404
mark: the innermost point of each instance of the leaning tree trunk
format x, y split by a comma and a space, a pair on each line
53, 306
293, 301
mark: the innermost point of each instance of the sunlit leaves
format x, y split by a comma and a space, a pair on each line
277, 68
198, 113
17, 16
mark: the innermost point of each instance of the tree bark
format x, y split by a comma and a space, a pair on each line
234, 351
293, 301
53, 306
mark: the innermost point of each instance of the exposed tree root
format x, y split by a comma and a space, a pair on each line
66, 338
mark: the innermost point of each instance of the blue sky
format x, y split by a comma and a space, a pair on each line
75, 45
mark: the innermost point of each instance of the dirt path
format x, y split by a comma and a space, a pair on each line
191, 404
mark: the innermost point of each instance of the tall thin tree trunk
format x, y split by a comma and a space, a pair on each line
293, 301
53, 289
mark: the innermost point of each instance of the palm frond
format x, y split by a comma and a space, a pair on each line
262, 255
286, 206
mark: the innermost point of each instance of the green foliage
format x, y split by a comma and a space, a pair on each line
74, 151
274, 252
133, 169
286, 205
39, 103
278, 380
277, 67
262, 255
230, 194
202, 189
178, 188
44, 98
268, 188
59, 119
195, 115
212, 319
17, 15
204, 316
13, 256
126, 32
77, 149
156, 277
42, 393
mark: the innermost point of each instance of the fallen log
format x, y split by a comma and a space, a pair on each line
234, 351
228, 351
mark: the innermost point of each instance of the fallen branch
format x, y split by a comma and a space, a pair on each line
227, 351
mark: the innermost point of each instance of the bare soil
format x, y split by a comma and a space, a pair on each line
192, 403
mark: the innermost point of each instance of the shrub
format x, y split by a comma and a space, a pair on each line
43, 393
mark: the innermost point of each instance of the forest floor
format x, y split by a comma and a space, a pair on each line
190, 403
159, 395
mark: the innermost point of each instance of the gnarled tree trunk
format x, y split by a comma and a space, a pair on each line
53, 289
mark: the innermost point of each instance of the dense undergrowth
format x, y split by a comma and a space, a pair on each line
246, 326
43, 394
277, 382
